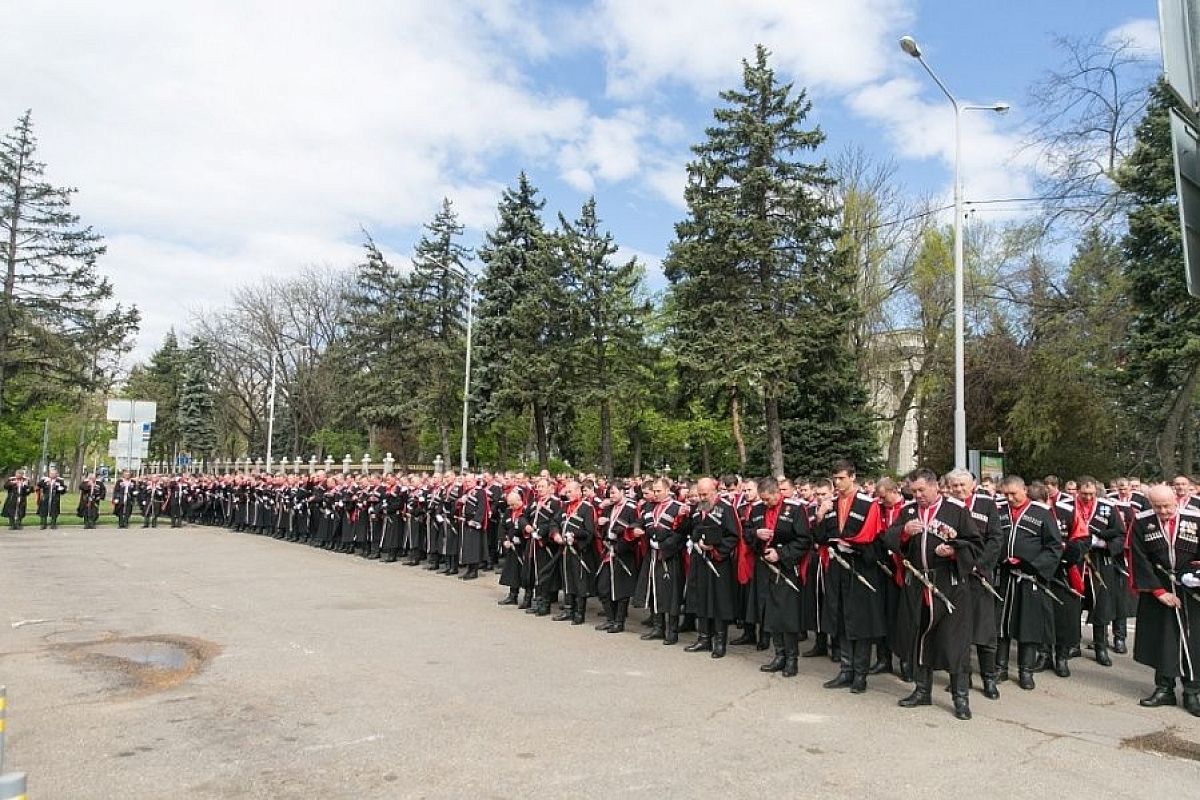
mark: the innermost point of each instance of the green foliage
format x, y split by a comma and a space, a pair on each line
197, 436
161, 381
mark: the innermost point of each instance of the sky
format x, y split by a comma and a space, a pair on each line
217, 144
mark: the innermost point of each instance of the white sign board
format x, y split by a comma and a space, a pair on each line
124, 463
135, 410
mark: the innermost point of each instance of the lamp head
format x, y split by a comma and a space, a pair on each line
909, 45
1001, 108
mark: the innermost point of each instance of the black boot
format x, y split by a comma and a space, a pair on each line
543, 607
791, 653
689, 624
704, 639
1003, 646
764, 639
568, 609
472, 573
609, 614
987, 669
671, 634
511, 600
618, 625
1041, 659
1163, 694
526, 601
776, 664
1100, 644
453, 566
435, 561
1026, 660
961, 695
657, 630
921, 692
1191, 703
883, 661
845, 675
1120, 628
580, 613
906, 671
860, 663
720, 639
748, 635
820, 647
1061, 658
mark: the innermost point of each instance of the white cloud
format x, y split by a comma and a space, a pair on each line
1141, 35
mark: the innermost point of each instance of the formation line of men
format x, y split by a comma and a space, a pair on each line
906, 577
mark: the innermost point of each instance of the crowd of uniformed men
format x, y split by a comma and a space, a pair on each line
882, 576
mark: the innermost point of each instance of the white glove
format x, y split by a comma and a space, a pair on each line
537, 536
1098, 542
1190, 580
440, 518
844, 548
653, 545
612, 537
690, 545
570, 538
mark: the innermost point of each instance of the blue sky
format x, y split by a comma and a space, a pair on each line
218, 144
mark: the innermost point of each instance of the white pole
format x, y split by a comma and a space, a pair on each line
467, 375
960, 392
271, 412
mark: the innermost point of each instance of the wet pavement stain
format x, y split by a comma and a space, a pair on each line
145, 664
1164, 742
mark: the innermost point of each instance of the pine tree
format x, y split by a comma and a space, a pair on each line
608, 330
197, 433
522, 319
1163, 345
376, 350
54, 313
437, 293
763, 300
161, 381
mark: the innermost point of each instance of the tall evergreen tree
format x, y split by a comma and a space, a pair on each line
437, 293
608, 331
197, 434
376, 350
54, 311
1163, 345
161, 381
764, 301
522, 319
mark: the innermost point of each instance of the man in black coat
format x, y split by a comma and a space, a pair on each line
17, 489
50, 490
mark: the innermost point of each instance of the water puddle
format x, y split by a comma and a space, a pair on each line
1164, 742
145, 664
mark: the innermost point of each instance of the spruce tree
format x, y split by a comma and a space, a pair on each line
1163, 346
161, 381
54, 305
608, 329
197, 433
522, 318
763, 299
437, 294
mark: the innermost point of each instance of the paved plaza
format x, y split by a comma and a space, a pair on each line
201, 663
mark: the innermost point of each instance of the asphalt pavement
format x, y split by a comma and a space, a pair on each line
200, 663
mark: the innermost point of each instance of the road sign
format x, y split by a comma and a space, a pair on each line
1179, 23
121, 410
133, 465
1187, 184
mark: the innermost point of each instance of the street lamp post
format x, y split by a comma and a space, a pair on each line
467, 371
271, 401
909, 46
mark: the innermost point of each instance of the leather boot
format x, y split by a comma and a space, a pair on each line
618, 625
1041, 659
434, 562
1100, 644
543, 607
845, 675
1026, 659
1120, 629
921, 692
671, 634
658, 629
961, 695
764, 639
1061, 666
987, 669
883, 661
791, 653
776, 664
1191, 703
749, 636
720, 638
580, 614
1163, 694
906, 671
472, 573
526, 601
689, 624
609, 614
453, 566
704, 639
567, 611
1003, 646
820, 647
860, 662
511, 600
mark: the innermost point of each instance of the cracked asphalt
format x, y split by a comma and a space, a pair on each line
323, 675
